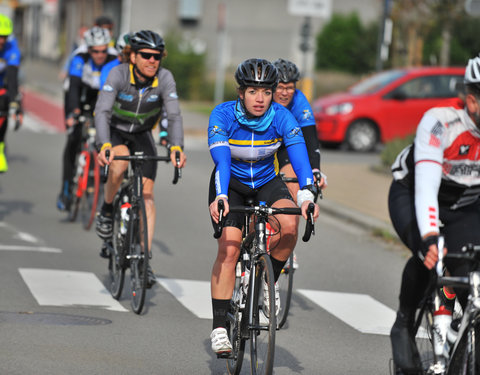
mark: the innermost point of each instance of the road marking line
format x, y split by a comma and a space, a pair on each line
359, 311
41, 249
194, 295
68, 288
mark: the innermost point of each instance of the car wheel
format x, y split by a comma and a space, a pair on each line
362, 136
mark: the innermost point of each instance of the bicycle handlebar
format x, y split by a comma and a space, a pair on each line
142, 157
295, 180
104, 174
309, 227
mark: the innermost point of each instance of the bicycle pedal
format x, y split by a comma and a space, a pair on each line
226, 355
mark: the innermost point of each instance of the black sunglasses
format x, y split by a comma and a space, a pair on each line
148, 55
98, 51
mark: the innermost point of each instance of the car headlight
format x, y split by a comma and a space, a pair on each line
339, 109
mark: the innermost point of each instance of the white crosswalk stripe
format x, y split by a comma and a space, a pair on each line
68, 288
359, 311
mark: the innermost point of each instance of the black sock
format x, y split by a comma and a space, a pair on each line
277, 267
107, 209
220, 308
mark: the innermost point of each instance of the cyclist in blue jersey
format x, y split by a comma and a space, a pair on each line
84, 77
123, 55
295, 101
9, 95
243, 137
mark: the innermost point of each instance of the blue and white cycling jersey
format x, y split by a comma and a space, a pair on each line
249, 155
9, 55
301, 109
86, 70
106, 70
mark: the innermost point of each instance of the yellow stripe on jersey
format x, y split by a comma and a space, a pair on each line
255, 143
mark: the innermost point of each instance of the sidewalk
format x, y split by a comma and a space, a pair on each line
355, 192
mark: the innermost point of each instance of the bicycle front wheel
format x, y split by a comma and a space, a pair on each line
79, 184
139, 257
465, 358
262, 333
91, 194
234, 324
117, 263
424, 335
285, 287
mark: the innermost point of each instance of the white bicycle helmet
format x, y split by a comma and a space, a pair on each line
96, 36
472, 72
122, 41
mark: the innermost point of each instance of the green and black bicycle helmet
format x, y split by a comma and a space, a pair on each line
287, 71
257, 73
147, 39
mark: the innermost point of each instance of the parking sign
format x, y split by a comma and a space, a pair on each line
313, 8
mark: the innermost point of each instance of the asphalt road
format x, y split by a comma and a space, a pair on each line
57, 317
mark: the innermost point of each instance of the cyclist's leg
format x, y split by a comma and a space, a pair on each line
276, 194
72, 146
3, 130
415, 277
103, 226
223, 271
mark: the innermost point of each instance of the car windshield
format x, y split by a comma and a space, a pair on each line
376, 82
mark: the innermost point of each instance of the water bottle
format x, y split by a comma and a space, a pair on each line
442, 318
452, 334
124, 215
246, 273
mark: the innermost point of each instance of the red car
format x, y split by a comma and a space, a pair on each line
384, 106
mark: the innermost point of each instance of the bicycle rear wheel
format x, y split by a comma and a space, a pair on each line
262, 334
90, 197
285, 287
139, 257
117, 254
234, 324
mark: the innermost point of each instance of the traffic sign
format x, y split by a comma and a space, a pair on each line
313, 8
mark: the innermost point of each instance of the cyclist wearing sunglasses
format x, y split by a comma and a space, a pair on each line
129, 105
84, 83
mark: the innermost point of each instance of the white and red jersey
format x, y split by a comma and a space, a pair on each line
442, 165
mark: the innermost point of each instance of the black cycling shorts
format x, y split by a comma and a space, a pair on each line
136, 142
238, 193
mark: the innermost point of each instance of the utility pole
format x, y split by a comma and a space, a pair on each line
384, 36
221, 44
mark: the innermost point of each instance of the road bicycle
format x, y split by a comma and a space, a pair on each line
86, 189
128, 247
285, 281
247, 318
461, 346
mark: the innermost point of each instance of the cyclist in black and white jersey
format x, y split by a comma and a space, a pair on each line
436, 180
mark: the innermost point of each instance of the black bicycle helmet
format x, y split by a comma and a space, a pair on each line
147, 39
257, 73
287, 71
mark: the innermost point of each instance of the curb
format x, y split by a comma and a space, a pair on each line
357, 218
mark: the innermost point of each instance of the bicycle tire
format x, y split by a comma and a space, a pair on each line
139, 256
285, 288
117, 264
463, 361
78, 187
423, 334
234, 324
262, 334
91, 195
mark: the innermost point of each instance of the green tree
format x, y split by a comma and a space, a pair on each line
346, 45
186, 65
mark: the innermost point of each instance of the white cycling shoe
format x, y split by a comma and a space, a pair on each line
220, 341
266, 304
